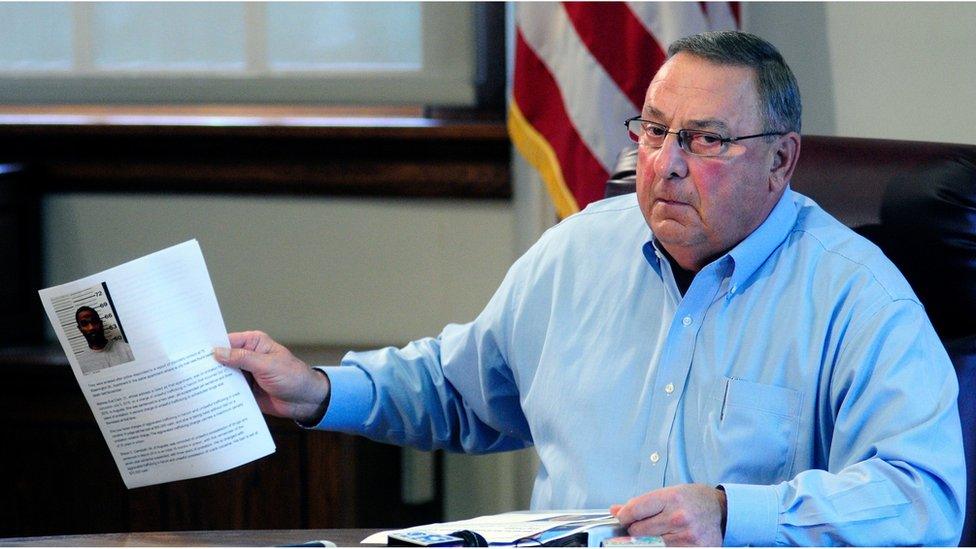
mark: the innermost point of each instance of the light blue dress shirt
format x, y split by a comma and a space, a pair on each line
799, 372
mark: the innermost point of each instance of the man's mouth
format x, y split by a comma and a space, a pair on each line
670, 202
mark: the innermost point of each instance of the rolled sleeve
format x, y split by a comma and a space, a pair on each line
752, 515
350, 401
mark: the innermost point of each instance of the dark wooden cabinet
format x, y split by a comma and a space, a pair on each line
20, 248
61, 478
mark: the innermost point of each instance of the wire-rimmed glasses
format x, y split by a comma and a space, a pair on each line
696, 142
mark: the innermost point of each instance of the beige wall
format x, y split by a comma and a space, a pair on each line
900, 70
307, 270
912, 73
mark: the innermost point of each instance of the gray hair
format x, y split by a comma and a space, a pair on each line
779, 96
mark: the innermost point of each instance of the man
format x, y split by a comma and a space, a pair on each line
102, 352
719, 359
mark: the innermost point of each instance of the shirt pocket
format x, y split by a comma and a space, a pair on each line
748, 432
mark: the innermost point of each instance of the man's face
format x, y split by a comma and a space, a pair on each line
89, 323
700, 207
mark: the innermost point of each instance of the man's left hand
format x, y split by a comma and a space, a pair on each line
688, 514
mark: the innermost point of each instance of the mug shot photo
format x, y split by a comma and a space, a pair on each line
102, 351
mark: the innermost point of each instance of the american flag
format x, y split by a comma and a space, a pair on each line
581, 69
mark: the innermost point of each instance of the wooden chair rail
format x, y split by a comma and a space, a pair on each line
258, 150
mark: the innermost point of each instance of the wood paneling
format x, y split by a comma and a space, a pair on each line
210, 538
61, 478
263, 151
20, 248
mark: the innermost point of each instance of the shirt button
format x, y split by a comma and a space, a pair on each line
669, 388
732, 289
655, 458
686, 321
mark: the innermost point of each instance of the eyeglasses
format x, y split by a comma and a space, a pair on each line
696, 142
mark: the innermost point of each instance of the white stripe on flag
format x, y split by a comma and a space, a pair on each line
595, 104
669, 21
720, 16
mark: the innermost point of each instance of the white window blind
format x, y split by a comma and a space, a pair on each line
322, 52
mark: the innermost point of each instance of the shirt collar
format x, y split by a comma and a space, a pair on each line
743, 259
749, 254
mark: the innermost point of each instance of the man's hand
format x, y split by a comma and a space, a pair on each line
688, 514
283, 385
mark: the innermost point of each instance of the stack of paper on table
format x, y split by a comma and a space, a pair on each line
524, 528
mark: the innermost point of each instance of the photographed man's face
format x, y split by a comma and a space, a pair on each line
91, 327
700, 207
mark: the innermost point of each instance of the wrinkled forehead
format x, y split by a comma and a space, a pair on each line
694, 85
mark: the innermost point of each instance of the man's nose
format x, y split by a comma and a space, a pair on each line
670, 161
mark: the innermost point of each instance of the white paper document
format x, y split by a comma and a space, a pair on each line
522, 528
139, 338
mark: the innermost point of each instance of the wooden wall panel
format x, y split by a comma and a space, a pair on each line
62, 479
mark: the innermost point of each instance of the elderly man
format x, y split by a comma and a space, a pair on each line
718, 358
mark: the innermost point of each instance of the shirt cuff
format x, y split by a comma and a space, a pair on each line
350, 399
752, 515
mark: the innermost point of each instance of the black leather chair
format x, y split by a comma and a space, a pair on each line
917, 202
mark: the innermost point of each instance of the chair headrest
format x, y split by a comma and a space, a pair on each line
623, 178
928, 216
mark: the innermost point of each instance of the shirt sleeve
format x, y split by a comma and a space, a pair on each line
894, 468
453, 392
350, 399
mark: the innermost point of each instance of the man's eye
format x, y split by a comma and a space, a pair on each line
656, 131
706, 138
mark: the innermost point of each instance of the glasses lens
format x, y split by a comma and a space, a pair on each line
703, 143
647, 133
634, 130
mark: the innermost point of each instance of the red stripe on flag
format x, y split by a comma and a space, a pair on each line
735, 14
620, 43
539, 98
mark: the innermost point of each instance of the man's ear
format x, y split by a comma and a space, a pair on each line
785, 156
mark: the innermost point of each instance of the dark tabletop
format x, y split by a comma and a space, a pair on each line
233, 538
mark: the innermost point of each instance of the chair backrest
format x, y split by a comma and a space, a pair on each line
963, 354
917, 202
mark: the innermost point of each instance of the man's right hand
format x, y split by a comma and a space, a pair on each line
283, 385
